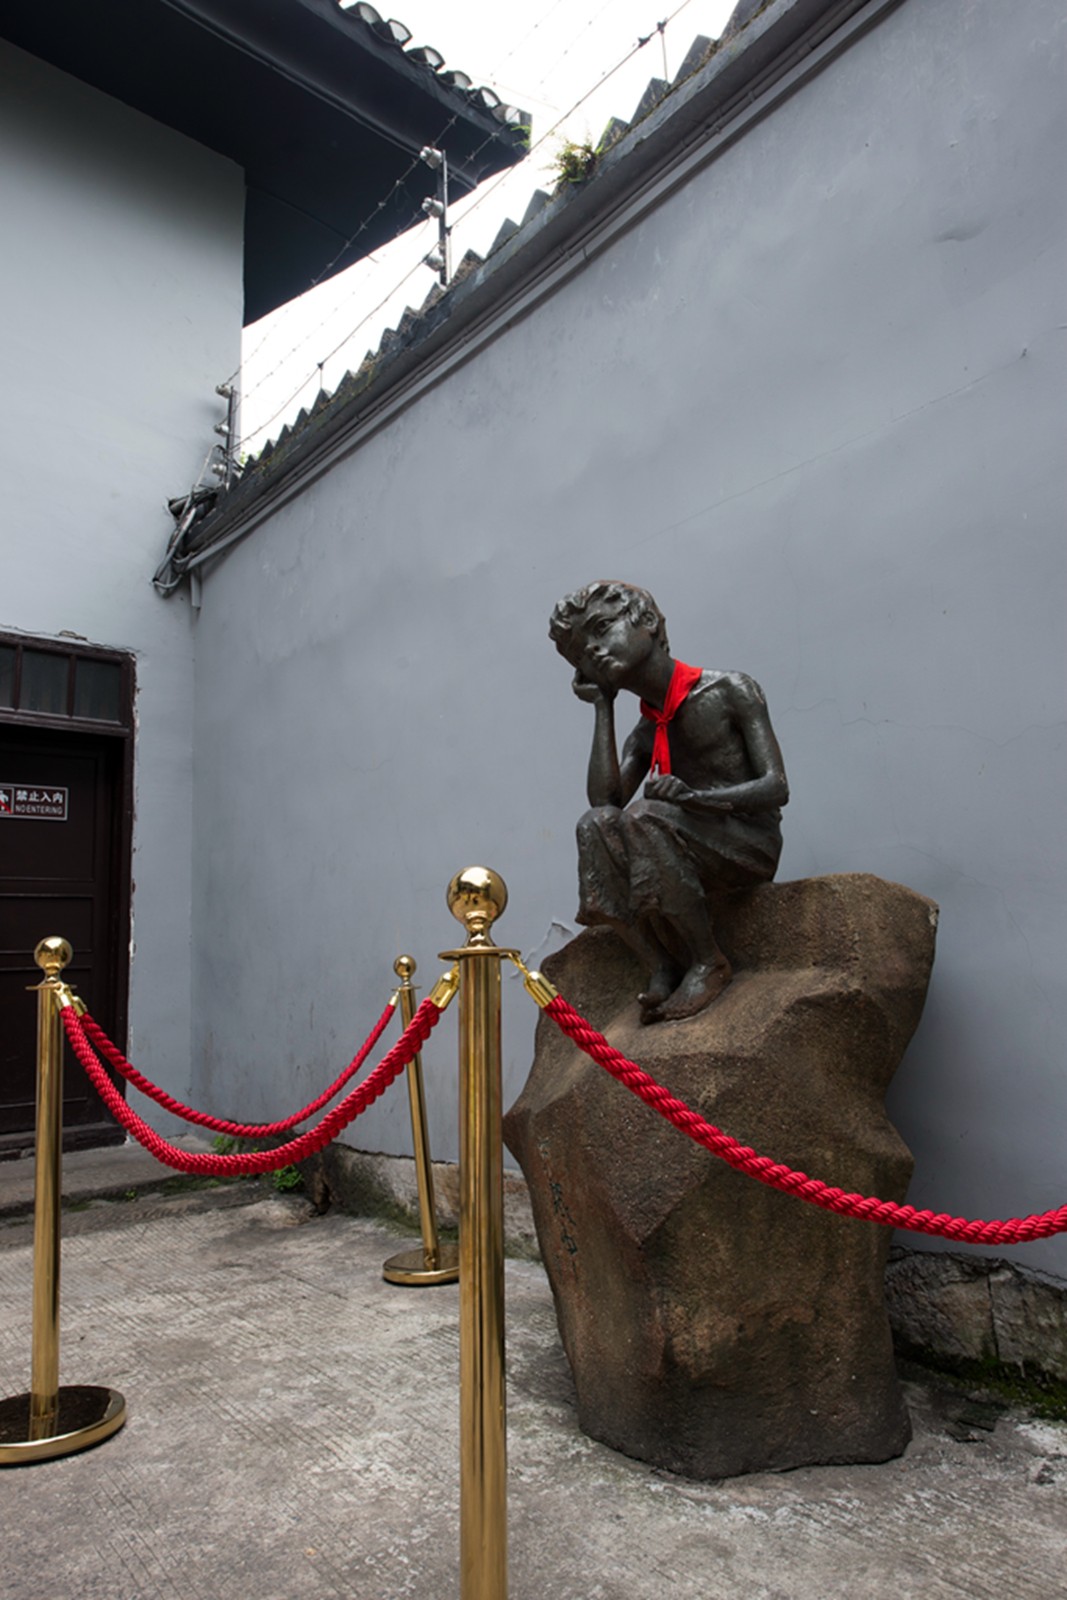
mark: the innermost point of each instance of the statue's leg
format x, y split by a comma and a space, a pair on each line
704, 980
669, 895
664, 971
606, 899
663, 957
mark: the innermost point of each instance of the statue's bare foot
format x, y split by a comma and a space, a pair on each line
700, 986
661, 986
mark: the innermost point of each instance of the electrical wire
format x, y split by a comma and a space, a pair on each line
527, 35
326, 271
319, 364
550, 69
488, 189
311, 333
484, 192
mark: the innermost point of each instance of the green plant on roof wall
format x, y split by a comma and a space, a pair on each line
573, 163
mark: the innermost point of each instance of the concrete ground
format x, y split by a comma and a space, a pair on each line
293, 1435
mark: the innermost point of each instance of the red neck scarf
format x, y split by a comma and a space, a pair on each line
682, 680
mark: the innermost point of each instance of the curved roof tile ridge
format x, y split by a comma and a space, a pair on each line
397, 34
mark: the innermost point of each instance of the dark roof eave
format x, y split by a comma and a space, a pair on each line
322, 114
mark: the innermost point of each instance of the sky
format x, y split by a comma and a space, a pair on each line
544, 57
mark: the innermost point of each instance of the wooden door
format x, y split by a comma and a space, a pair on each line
62, 843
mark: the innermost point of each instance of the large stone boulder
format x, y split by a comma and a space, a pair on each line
715, 1326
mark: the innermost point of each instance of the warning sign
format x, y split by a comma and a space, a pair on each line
46, 804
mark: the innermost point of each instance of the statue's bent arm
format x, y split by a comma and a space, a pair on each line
603, 785
609, 781
636, 760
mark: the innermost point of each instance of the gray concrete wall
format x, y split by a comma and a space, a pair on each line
814, 402
120, 305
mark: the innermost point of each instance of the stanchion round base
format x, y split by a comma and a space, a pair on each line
87, 1415
409, 1267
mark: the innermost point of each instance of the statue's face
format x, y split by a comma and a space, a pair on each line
608, 646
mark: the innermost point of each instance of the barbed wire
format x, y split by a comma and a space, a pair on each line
579, 35
399, 184
490, 188
307, 338
484, 193
320, 364
312, 333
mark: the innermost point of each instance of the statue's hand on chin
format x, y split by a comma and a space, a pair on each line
589, 691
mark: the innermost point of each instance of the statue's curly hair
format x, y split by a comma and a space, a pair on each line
637, 603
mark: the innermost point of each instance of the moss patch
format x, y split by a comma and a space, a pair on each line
1027, 1388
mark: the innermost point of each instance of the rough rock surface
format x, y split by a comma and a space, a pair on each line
973, 1308
715, 1326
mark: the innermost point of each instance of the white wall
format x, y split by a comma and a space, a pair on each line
120, 309
815, 404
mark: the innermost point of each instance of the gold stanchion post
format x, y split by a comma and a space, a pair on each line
50, 1421
476, 897
435, 1262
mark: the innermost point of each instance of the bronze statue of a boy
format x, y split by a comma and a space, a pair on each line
709, 819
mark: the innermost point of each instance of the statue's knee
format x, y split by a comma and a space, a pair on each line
595, 821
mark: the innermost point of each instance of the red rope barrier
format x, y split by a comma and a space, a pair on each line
247, 1163
1018, 1230
239, 1130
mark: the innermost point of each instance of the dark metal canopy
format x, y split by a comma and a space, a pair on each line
319, 103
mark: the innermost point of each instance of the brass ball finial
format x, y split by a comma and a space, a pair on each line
404, 967
476, 897
52, 955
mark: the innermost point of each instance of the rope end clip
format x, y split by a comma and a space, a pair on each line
66, 998
445, 989
541, 992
